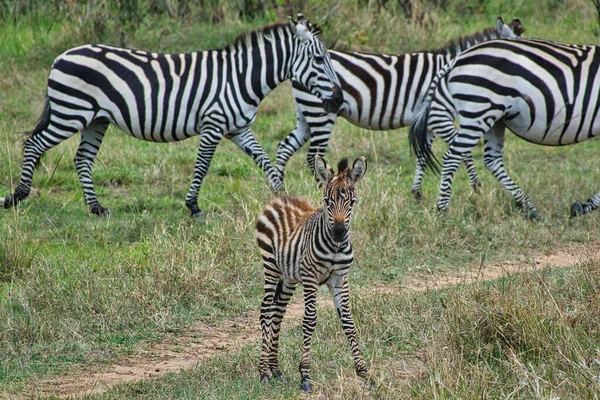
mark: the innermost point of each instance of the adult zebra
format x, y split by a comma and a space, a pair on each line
544, 92
380, 92
300, 243
169, 97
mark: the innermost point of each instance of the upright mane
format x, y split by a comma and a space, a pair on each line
456, 46
259, 33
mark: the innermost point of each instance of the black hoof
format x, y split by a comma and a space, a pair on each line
576, 209
306, 387
532, 215
276, 374
198, 216
100, 211
8, 201
418, 194
476, 187
264, 378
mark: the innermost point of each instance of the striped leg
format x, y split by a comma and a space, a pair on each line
209, 140
35, 147
308, 327
320, 131
291, 143
338, 287
273, 281
451, 162
591, 204
494, 162
419, 171
247, 142
283, 294
91, 139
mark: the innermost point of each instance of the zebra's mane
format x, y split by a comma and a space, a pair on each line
456, 46
266, 31
342, 165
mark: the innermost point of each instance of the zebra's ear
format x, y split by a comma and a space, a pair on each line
359, 168
517, 27
323, 172
503, 30
300, 28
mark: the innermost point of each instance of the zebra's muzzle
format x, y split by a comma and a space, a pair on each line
339, 231
333, 103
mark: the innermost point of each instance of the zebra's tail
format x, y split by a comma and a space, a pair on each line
418, 135
43, 121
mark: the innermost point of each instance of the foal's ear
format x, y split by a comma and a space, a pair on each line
359, 168
323, 172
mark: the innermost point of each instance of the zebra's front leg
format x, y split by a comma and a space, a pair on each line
91, 139
494, 162
246, 141
209, 140
591, 204
338, 287
308, 327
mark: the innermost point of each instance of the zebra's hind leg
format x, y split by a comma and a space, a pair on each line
291, 143
35, 146
209, 140
272, 282
246, 141
494, 162
579, 208
308, 327
451, 161
338, 287
91, 139
472, 172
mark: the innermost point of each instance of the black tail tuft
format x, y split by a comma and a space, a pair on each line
419, 144
43, 121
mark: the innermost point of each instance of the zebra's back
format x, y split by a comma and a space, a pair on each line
544, 91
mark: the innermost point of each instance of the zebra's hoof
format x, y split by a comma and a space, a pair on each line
476, 187
418, 194
198, 216
306, 387
264, 378
532, 215
8, 201
577, 209
276, 374
100, 211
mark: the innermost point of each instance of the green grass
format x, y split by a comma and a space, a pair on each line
76, 289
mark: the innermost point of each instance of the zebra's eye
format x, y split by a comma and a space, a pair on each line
319, 59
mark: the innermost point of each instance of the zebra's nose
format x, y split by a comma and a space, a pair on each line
333, 104
339, 231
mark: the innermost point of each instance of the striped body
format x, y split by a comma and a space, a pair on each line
544, 92
380, 92
302, 244
171, 97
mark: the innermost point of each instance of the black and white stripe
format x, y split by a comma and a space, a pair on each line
380, 92
544, 92
312, 246
169, 97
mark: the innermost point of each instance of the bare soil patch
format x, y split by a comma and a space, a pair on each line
184, 350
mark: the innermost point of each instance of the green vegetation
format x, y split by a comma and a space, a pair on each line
76, 289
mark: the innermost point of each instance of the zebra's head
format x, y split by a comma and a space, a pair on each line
339, 195
311, 65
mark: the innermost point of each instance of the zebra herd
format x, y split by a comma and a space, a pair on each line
475, 87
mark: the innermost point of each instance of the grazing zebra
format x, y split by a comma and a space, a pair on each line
544, 92
380, 92
170, 97
300, 243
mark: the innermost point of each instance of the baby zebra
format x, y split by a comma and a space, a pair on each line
300, 243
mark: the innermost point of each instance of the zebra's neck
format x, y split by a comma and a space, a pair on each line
262, 59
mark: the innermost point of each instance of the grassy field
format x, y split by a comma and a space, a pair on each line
77, 290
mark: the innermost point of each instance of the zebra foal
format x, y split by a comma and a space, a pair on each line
544, 92
300, 243
170, 97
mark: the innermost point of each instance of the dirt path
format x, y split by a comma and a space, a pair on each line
185, 350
